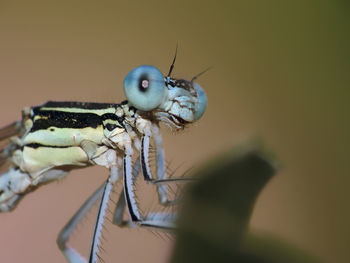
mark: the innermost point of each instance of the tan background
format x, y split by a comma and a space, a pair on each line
280, 71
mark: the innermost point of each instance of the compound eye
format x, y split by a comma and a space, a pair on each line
145, 88
202, 102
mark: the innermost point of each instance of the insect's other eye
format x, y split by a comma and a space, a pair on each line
144, 87
202, 102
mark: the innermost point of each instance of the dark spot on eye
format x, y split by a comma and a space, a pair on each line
52, 129
1, 192
143, 83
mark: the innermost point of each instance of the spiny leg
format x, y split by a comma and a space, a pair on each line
163, 221
120, 206
121, 203
118, 219
70, 253
113, 177
129, 190
161, 179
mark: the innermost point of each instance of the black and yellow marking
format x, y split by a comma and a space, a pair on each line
60, 124
59, 128
74, 115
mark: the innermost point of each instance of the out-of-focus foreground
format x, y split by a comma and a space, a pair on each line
214, 219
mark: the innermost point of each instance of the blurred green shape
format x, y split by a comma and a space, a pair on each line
265, 248
214, 219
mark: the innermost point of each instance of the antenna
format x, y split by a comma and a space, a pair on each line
199, 74
172, 64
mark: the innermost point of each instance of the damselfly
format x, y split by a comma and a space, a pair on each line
56, 137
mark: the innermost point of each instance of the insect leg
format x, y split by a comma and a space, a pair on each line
161, 174
103, 191
129, 190
120, 207
13, 185
156, 220
10, 130
71, 254
113, 177
160, 221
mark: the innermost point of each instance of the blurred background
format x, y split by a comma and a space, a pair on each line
280, 72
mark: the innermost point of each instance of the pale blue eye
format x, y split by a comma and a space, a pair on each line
144, 87
202, 102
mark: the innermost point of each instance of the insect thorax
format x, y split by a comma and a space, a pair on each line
59, 136
73, 134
